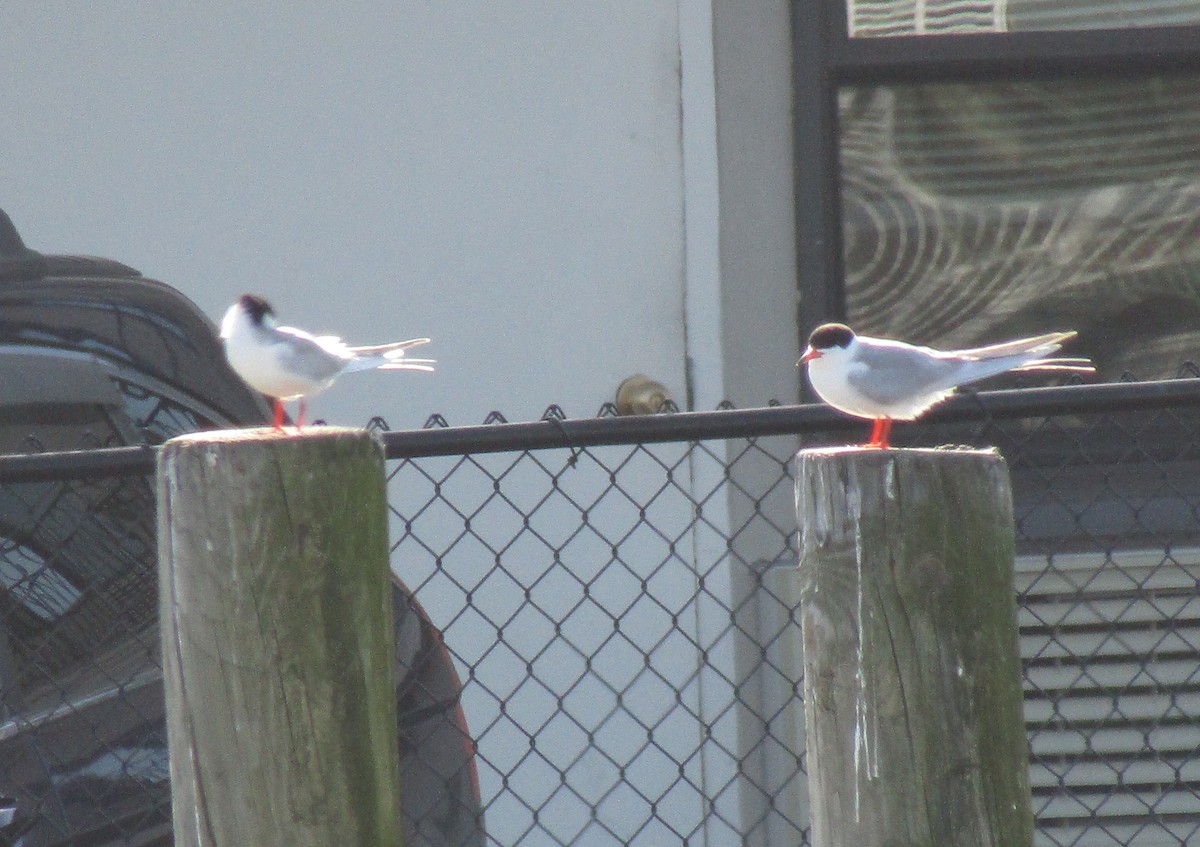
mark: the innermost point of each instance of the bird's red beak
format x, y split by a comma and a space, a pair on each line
809, 355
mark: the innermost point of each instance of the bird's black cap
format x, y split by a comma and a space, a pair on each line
256, 307
830, 335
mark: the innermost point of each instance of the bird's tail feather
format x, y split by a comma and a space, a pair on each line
389, 357
409, 365
974, 370
395, 348
1046, 344
1078, 365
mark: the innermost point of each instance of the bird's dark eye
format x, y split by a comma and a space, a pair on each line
831, 335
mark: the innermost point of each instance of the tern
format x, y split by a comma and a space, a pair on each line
286, 363
887, 380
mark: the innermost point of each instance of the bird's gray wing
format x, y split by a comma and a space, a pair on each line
892, 372
307, 356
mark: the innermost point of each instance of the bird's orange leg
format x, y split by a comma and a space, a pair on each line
880, 431
278, 425
875, 428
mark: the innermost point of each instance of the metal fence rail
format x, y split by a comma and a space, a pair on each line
618, 597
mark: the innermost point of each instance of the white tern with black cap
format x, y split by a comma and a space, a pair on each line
286, 363
887, 380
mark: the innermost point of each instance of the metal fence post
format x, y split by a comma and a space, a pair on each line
912, 677
278, 648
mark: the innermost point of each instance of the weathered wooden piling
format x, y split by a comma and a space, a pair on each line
912, 676
278, 645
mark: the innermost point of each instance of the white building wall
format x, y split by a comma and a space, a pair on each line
504, 177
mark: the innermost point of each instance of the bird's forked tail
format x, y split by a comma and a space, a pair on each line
1040, 346
392, 357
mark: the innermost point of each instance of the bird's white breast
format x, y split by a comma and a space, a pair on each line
831, 380
837, 377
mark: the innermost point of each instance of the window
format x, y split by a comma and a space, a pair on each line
1035, 166
974, 212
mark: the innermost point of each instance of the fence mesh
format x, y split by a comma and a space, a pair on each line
623, 621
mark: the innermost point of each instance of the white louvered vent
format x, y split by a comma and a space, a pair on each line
924, 17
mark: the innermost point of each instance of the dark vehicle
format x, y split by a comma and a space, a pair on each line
92, 355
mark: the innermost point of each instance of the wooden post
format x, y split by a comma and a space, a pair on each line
912, 676
278, 642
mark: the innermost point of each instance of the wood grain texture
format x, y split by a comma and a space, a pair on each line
278, 648
912, 677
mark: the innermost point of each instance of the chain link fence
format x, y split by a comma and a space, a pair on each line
618, 598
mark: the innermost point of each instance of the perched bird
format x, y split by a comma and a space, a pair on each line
889, 380
286, 363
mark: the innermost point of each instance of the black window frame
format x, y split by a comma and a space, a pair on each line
826, 59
